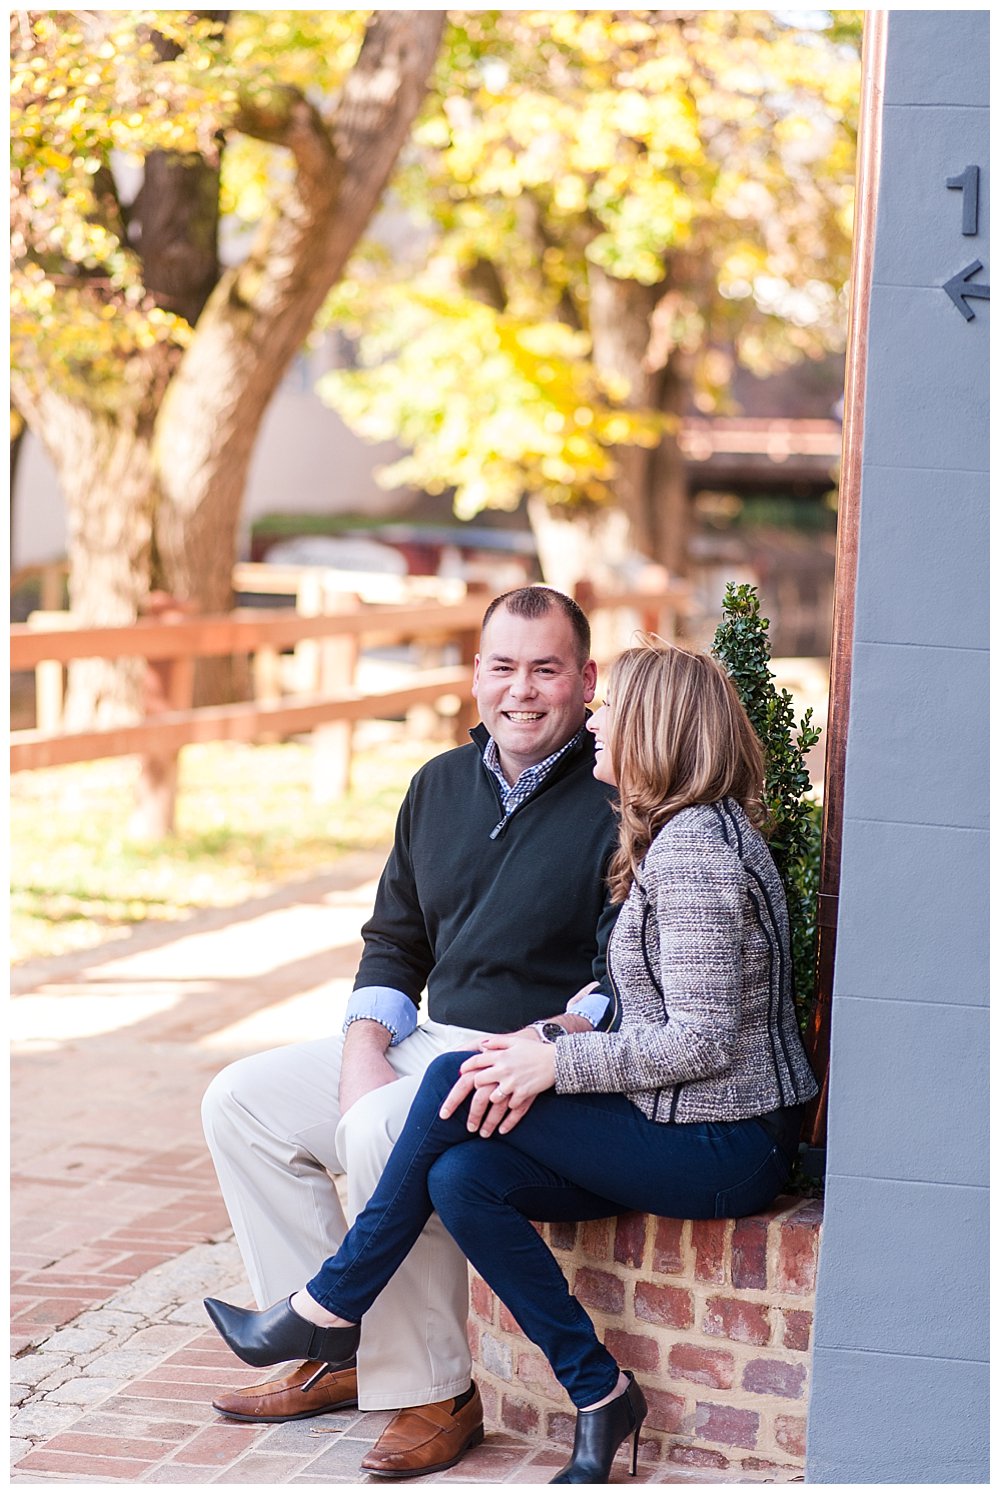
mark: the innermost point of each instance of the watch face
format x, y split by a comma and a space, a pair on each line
552, 1031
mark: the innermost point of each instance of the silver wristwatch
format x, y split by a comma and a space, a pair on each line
549, 1032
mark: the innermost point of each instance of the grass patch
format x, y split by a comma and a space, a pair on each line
246, 820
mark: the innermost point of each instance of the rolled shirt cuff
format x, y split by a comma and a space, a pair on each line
385, 1005
591, 1007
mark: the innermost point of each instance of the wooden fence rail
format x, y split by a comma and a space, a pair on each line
239, 722
240, 632
170, 646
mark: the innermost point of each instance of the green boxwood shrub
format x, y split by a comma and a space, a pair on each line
741, 644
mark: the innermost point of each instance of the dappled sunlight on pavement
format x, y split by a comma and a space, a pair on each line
305, 946
46, 1021
313, 1012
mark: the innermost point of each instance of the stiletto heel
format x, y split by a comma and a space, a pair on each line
321, 1374
279, 1333
599, 1435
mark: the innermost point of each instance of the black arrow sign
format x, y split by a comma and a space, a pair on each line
960, 290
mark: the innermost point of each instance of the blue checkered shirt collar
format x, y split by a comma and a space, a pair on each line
514, 795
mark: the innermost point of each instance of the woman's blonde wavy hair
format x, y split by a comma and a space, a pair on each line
678, 735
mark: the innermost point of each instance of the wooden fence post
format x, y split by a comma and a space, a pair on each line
50, 692
468, 647
50, 674
168, 686
468, 712
52, 587
332, 745
267, 675
310, 601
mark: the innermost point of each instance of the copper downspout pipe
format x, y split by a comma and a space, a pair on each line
849, 515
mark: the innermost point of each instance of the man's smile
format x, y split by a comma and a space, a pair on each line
523, 715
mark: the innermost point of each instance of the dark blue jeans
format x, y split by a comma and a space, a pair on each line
571, 1157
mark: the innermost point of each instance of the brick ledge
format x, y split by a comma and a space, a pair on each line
715, 1317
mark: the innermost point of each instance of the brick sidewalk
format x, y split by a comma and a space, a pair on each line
117, 1227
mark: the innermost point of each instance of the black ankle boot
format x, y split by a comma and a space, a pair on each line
599, 1435
279, 1333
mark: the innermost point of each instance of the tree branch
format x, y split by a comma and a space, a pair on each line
273, 297
283, 116
260, 313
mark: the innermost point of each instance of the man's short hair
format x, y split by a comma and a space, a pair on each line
537, 601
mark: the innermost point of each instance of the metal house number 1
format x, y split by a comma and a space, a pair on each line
968, 185
961, 287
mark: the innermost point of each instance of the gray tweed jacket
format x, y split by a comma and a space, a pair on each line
700, 964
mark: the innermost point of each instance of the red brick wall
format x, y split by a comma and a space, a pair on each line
714, 1316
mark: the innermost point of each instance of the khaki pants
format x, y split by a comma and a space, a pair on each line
276, 1135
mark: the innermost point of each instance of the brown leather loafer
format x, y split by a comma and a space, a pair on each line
285, 1400
426, 1439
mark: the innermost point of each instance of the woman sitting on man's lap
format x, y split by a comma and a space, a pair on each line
689, 1108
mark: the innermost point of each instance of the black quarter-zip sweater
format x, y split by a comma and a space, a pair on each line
500, 925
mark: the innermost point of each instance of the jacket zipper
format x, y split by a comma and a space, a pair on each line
501, 825
614, 991
551, 777
675, 1097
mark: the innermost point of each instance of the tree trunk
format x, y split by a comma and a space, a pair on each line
576, 544
106, 473
651, 485
110, 497
16, 448
666, 477
258, 317
175, 223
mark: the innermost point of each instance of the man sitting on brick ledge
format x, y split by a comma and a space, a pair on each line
491, 898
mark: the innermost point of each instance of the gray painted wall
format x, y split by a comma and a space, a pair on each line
900, 1375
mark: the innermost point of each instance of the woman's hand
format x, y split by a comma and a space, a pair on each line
503, 1079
